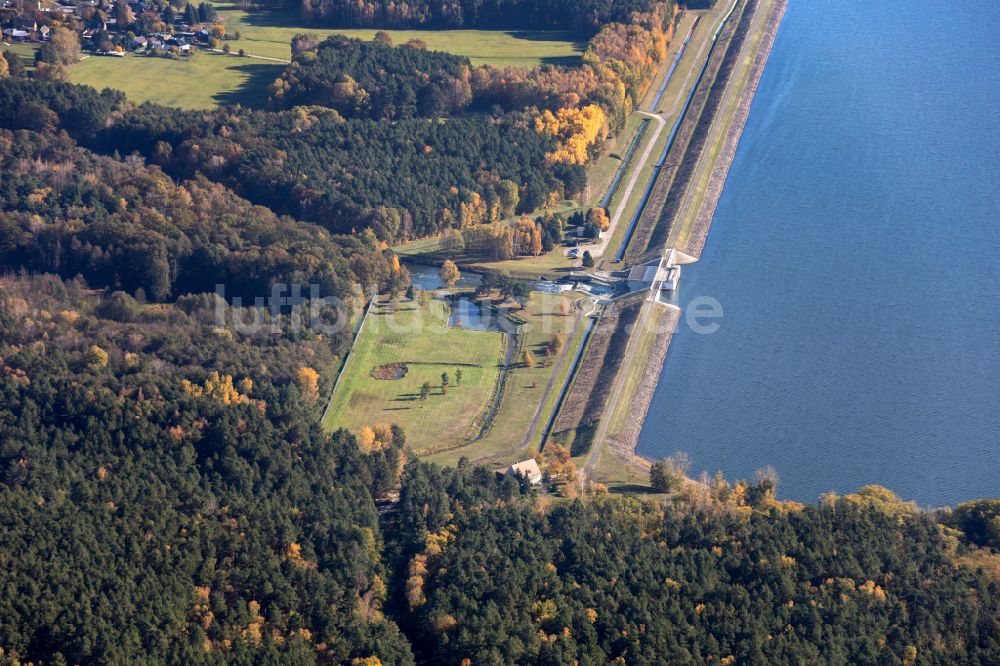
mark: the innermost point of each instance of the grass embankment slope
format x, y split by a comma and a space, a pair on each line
211, 79
421, 336
690, 228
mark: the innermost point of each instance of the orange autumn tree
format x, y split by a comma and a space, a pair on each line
599, 218
308, 380
526, 237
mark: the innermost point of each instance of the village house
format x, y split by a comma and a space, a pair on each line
526, 469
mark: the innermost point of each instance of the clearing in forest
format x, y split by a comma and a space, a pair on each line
415, 343
212, 79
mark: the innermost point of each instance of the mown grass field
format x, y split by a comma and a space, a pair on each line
26, 52
420, 335
269, 33
211, 79
202, 82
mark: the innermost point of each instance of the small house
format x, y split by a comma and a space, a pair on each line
526, 469
15, 35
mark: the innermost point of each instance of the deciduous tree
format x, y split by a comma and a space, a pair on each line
450, 274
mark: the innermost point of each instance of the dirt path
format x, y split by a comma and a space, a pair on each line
597, 249
247, 55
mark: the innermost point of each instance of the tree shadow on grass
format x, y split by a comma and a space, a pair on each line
253, 91
633, 489
266, 18
561, 61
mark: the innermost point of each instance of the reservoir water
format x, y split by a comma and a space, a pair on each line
856, 256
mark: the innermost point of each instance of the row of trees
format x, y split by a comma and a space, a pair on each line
506, 240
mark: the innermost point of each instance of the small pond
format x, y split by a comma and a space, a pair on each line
425, 276
467, 314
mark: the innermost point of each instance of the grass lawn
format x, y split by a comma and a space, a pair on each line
526, 385
212, 79
422, 336
619, 476
202, 82
269, 34
24, 51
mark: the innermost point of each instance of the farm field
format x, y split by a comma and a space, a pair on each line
269, 34
202, 82
420, 337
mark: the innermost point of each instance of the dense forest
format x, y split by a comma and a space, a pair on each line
863, 579
126, 225
583, 17
401, 179
166, 495
374, 79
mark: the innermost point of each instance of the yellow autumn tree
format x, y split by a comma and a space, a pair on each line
366, 439
383, 433
575, 130
308, 382
536, 240
367, 661
96, 357
450, 273
599, 218
218, 387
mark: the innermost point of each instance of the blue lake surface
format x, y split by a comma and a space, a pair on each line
856, 255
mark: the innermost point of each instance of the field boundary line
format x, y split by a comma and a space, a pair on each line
347, 358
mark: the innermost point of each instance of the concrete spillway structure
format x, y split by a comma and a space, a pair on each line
663, 274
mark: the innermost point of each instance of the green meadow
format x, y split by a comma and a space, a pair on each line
269, 34
210, 79
419, 337
201, 82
